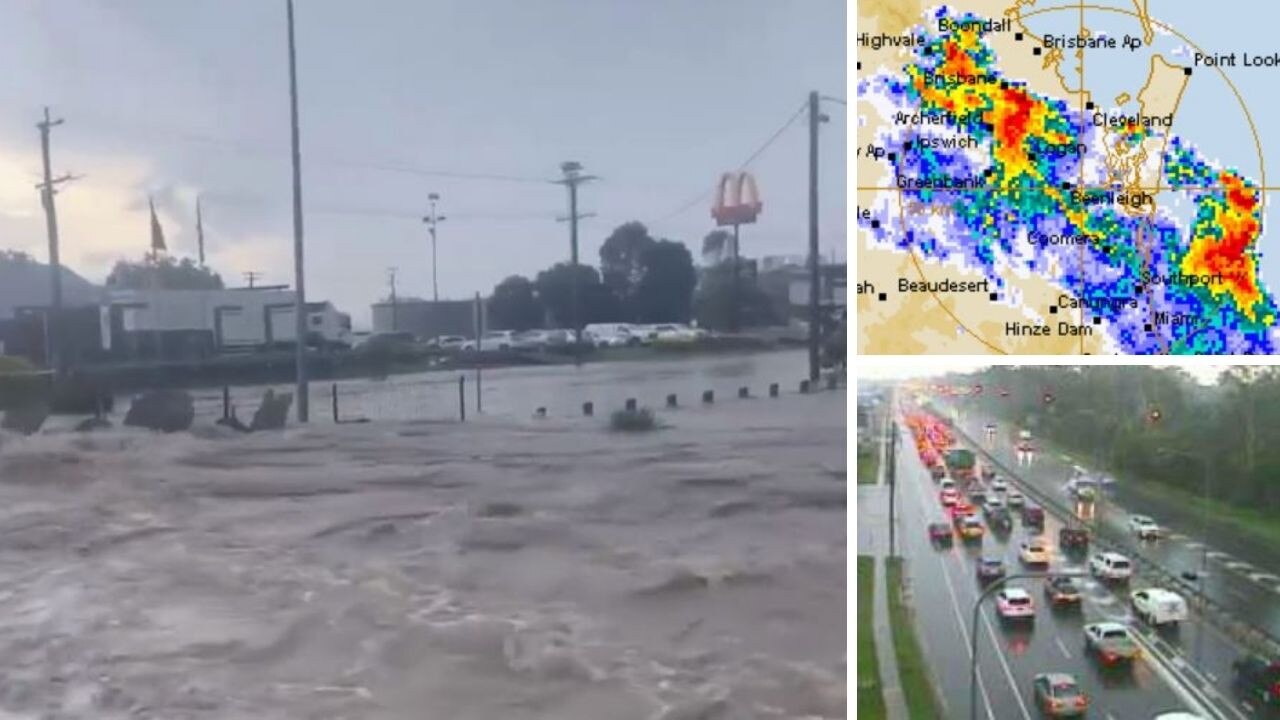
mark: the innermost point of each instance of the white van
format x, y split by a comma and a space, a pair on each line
1158, 606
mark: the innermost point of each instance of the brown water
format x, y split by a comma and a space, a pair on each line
506, 568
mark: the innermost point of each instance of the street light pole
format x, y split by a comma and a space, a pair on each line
573, 177
973, 627
300, 299
431, 221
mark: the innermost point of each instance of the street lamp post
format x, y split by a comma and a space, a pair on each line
431, 221
973, 627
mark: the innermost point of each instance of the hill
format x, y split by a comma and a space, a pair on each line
24, 281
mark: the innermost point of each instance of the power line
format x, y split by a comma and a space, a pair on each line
832, 98
703, 195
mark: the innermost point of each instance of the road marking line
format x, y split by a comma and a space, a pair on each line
1013, 684
1061, 646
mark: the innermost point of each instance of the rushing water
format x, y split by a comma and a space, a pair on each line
508, 567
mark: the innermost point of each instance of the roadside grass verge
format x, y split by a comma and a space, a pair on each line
868, 464
913, 671
870, 692
1263, 527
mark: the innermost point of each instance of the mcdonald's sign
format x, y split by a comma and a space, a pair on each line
737, 199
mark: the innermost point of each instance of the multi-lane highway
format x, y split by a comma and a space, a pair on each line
1187, 668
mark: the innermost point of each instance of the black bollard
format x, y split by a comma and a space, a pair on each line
631, 404
588, 409
804, 386
335, 403
773, 390
708, 396
671, 400
226, 402
832, 381
744, 392
540, 412
462, 398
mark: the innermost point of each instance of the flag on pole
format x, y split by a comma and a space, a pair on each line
157, 233
199, 232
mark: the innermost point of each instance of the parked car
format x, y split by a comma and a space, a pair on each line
1144, 527
940, 533
1014, 499
610, 334
496, 340
1062, 590
1258, 679
990, 568
675, 333
1033, 515
1111, 566
1059, 695
971, 529
1073, 539
448, 342
1034, 552
1111, 642
1158, 606
1014, 603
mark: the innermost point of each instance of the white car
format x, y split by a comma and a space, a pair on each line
1158, 606
999, 486
610, 335
947, 484
1144, 527
497, 340
1014, 499
1111, 566
449, 342
992, 504
1015, 604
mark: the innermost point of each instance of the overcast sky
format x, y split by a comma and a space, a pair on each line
177, 99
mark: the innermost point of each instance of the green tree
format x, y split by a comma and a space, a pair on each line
664, 292
596, 303
622, 259
165, 273
514, 305
713, 302
717, 247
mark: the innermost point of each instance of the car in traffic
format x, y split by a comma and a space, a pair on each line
1111, 642
989, 568
1073, 539
948, 497
999, 486
1258, 679
1014, 499
1033, 515
959, 509
1034, 552
992, 503
1014, 603
1144, 527
1058, 695
971, 529
1000, 521
977, 494
1061, 590
1158, 606
1111, 566
940, 534
937, 472
947, 484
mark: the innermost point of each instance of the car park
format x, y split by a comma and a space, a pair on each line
1111, 642
989, 568
1158, 606
1013, 603
971, 529
940, 533
1034, 552
1144, 527
1257, 679
1111, 566
1059, 695
1062, 590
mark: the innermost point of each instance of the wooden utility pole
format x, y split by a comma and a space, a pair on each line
432, 220
573, 177
53, 353
299, 285
815, 319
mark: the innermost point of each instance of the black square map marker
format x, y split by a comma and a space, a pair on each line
993, 296
1053, 309
875, 224
893, 157
1036, 51
1017, 36
1097, 321
906, 145
883, 297
1186, 71
1088, 105
1147, 327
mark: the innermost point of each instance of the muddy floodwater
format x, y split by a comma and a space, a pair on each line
506, 568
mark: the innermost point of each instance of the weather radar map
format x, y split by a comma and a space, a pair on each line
1065, 177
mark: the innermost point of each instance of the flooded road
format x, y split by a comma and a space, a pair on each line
505, 568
